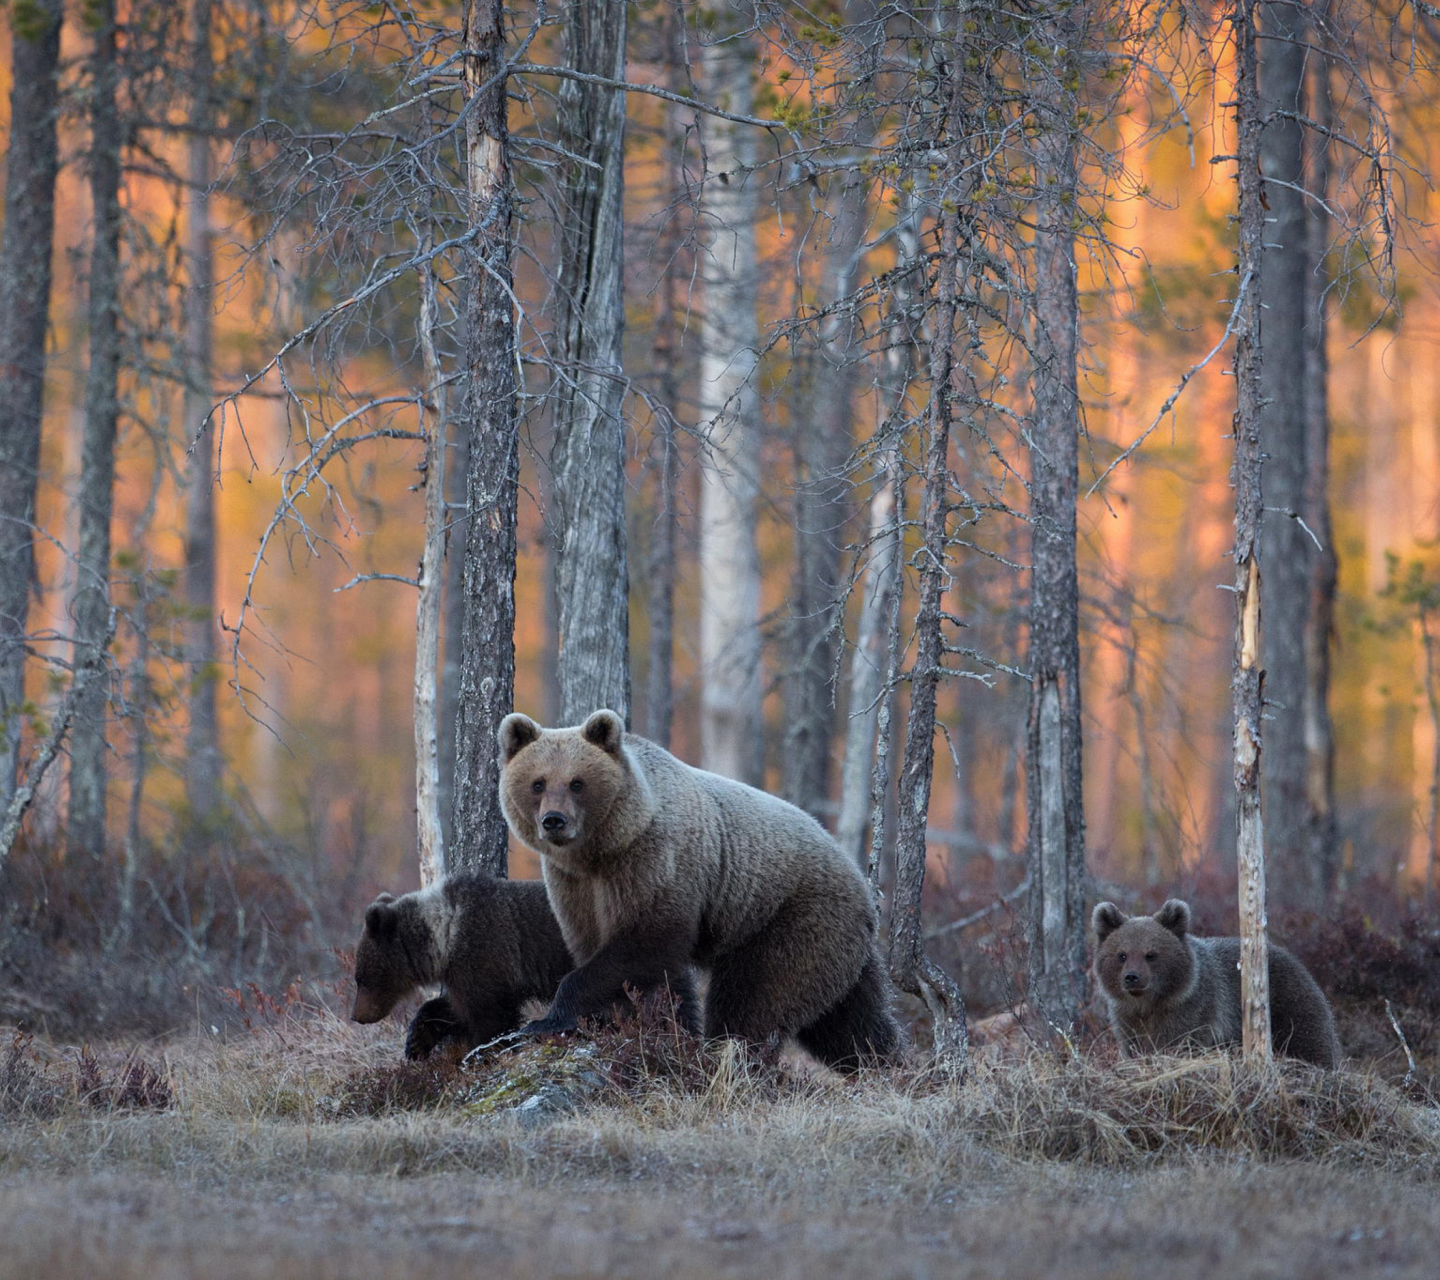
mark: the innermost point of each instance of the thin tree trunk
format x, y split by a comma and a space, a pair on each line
731, 731
429, 830
456, 525
911, 968
203, 759
588, 457
30, 168
487, 661
86, 826
1322, 843
1285, 268
1246, 673
1432, 698
1056, 814
822, 510
867, 675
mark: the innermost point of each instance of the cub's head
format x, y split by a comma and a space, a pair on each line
557, 786
1142, 959
383, 967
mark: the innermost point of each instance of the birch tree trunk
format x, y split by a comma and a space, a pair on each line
1285, 268
588, 457
429, 830
202, 742
731, 732
1322, 841
867, 672
30, 167
86, 825
457, 469
1246, 675
1055, 804
487, 661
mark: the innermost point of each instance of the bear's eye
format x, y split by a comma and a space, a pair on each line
1150, 955
538, 786
1121, 957
577, 784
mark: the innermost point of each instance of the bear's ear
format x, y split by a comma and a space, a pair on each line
516, 731
1105, 919
1175, 916
605, 730
381, 917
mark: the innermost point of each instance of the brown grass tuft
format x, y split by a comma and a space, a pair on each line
1152, 1108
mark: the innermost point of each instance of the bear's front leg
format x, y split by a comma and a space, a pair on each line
434, 1023
638, 960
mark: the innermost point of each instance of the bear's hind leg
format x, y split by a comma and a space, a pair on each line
860, 1031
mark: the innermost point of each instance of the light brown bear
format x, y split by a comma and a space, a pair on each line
495, 945
653, 866
1167, 989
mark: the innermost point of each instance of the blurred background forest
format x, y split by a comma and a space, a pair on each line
284, 169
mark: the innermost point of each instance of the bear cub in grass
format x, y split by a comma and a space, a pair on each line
1167, 989
495, 944
653, 866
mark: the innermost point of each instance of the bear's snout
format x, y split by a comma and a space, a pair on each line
368, 1007
1133, 982
554, 822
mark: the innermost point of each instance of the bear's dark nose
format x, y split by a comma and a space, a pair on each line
553, 821
1131, 981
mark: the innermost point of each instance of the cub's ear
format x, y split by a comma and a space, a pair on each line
516, 731
1175, 916
1105, 919
381, 918
605, 730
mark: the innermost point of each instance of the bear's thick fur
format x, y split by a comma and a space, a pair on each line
654, 866
1167, 989
493, 943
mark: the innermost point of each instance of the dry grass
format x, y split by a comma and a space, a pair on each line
309, 1150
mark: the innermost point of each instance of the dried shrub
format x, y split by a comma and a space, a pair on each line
401, 1086
1153, 1108
27, 1086
129, 1085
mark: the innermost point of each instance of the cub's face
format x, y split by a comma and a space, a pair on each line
1142, 959
557, 785
382, 971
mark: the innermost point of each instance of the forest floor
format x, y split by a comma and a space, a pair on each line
306, 1149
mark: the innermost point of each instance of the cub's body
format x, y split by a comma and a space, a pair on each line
1167, 989
494, 944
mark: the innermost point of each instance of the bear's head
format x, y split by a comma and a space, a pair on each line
560, 787
385, 960
1141, 960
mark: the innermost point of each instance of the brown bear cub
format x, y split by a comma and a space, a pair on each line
1167, 989
653, 866
493, 943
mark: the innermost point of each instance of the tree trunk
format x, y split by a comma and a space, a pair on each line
1055, 804
202, 743
1285, 268
487, 660
86, 827
911, 968
731, 730
1322, 842
588, 457
457, 470
822, 509
867, 674
30, 168
1246, 678
429, 830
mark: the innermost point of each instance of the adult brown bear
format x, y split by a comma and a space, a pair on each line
653, 867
